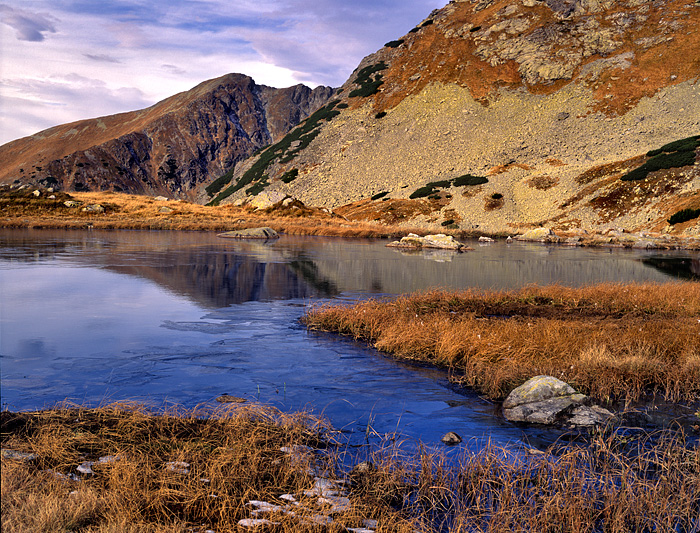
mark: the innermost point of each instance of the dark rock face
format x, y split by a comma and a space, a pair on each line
171, 148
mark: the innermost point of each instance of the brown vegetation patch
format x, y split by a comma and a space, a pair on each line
614, 482
495, 201
391, 211
124, 211
500, 169
623, 196
553, 161
610, 169
543, 182
610, 341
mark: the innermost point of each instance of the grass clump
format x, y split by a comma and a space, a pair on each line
369, 80
235, 456
676, 154
683, 216
232, 456
612, 342
431, 187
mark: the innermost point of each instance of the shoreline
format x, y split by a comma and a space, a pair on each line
113, 211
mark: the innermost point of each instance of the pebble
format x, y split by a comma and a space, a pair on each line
86, 468
18, 456
255, 522
178, 467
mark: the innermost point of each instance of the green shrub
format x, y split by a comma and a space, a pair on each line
682, 145
422, 192
497, 196
381, 114
342, 105
290, 175
380, 195
215, 186
305, 132
468, 179
447, 222
257, 188
426, 23
684, 215
394, 44
442, 184
680, 153
369, 80
414, 30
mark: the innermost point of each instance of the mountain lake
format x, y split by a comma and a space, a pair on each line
181, 318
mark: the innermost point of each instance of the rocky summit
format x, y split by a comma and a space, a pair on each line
504, 115
172, 148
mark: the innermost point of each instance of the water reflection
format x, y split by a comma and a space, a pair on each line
218, 272
184, 317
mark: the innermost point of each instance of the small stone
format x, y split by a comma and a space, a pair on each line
178, 467
37, 193
227, 398
256, 522
106, 459
161, 199
86, 468
485, 239
52, 197
165, 209
71, 203
451, 438
94, 208
17, 456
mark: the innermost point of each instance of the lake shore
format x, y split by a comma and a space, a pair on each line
108, 210
125, 468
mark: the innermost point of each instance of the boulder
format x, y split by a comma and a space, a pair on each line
539, 235
441, 241
451, 438
94, 208
548, 400
267, 199
251, 233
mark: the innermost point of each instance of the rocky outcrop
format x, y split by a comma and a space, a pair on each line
502, 116
547, 400
251, 233
174, 149
439, 241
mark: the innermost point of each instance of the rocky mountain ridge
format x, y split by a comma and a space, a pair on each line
497, 116
172, 148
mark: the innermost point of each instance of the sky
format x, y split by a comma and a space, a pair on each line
66, 60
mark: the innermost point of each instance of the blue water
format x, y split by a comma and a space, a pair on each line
95, 317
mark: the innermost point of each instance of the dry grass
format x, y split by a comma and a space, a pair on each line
124, 211
612, 342
234, 457
613, 484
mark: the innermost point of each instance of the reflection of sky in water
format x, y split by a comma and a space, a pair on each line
165, 317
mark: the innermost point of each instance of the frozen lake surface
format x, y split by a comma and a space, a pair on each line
95, 317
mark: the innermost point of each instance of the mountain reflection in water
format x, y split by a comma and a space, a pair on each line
184, 317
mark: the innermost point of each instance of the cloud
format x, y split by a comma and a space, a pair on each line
103, 58
28, 26
137, 52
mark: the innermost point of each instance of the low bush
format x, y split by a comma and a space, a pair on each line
684, 215
290, 175
394, 44
381, 114
680, 153
469, 180
380, 195
369, 80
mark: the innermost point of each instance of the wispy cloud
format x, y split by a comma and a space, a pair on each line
141, 51
28, 26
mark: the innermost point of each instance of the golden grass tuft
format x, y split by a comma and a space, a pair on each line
611, 341
613, 483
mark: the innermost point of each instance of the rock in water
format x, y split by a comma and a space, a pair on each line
251, 233
548, 400
451, 438
441, 241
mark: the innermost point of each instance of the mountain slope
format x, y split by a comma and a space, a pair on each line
171, 148
501, 115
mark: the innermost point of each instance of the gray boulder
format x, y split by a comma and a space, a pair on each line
251, 233
548, 400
